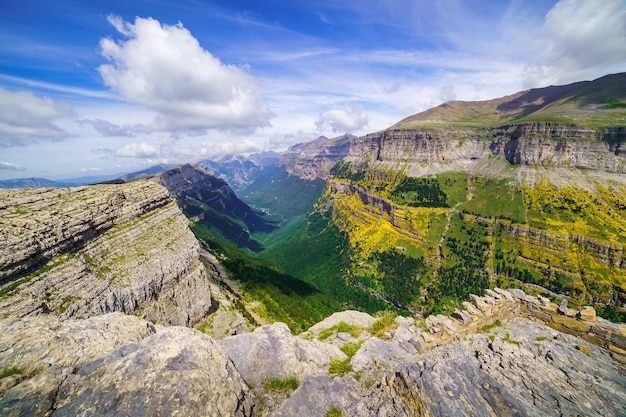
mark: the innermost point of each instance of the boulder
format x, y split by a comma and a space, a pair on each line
587, 313
273, 352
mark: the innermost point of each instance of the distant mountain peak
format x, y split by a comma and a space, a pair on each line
597, 103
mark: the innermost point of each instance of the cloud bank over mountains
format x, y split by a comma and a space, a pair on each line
186, 81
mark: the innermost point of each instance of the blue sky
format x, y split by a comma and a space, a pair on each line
89, 88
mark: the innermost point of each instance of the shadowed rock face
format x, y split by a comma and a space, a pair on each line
203, 195
80, 252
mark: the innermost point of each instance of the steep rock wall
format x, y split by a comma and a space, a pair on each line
81, 252
541, 144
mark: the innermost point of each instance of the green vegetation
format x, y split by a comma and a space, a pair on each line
279, 385
507, 338
334, 412
385, 322
351, 348
66, 302
342, 327
496, 199
400, 275
419, 192
286, 195
489, 327
278, 296
341, 367
345, 170
317, 252
10, 371
465, 249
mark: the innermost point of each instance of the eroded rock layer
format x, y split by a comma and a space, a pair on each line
86, 251
541, 144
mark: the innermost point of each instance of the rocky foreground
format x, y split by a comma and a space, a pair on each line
95, 282
347, 365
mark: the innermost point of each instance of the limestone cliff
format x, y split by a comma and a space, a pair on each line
80, 252
540, 144
503, 354
315, 159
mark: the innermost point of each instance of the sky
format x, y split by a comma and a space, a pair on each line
101, 87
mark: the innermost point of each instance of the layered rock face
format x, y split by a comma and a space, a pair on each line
80, 252
541, 144
315, 159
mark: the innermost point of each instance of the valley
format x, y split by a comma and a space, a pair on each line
467, 260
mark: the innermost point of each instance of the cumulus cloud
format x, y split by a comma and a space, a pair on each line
278, 141
209, 149
106, 128
347, 120
580, 39
164, 68
132, 150
11, 166
26, 118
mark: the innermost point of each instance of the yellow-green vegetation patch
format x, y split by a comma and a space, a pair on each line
507, 338
277, 385
385, 322
351, 348
340, 367
334, 412
489, 327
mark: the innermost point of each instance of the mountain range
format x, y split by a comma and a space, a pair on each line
347, 276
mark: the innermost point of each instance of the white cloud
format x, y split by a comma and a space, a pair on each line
106, 128
91, 169
347, 120
580, 39
11, 166
132, 150
26, 118
164, 68
210, 149
278, 141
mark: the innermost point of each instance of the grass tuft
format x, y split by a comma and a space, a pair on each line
275, 385
385, 323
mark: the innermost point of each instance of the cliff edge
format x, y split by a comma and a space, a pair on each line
85, 251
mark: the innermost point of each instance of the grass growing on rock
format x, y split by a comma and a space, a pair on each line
10, 371
386, 321
341, 367
276, 385
334, 412
342, 327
